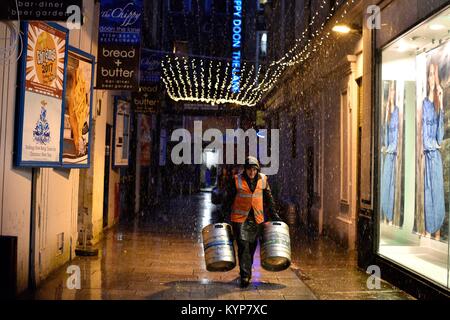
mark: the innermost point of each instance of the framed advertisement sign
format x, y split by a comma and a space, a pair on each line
41, 88
144, 139
78, 109
122, 122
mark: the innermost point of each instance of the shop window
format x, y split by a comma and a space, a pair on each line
181, 47
261, 44
414, 150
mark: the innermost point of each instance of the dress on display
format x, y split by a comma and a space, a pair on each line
389, 165
433, 135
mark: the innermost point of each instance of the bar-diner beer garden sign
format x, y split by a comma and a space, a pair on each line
48, 10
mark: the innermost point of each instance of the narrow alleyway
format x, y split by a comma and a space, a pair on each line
161, 257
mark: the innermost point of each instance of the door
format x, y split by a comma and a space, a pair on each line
358, 166
312, 222
106, 175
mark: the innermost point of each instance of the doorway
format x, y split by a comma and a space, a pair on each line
106, 174
209, 168
358, 165
313, 224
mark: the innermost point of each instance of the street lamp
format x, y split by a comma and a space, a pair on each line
346, 29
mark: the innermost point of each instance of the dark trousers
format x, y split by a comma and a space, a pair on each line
246, 235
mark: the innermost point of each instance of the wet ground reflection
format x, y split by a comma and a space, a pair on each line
160, 256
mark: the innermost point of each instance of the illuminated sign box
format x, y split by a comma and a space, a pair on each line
77, 124
237, 44
42, 84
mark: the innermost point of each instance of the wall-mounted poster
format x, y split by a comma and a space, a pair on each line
78, 109
122, 118
145, 139
41, 91
433, 143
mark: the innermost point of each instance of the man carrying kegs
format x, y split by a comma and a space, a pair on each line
250, 203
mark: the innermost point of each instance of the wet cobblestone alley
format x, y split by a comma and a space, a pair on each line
160, 257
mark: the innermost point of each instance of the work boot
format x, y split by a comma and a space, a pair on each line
245, 282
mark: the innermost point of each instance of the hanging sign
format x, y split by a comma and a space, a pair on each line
41, 87
147, 99
118, 68
119, 44
150, 67
44, 10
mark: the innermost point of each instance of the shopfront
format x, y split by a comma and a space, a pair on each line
412, 151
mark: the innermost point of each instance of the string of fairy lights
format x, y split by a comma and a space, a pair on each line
209, 80
292, 57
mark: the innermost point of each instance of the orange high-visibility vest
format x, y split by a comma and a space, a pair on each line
246, 200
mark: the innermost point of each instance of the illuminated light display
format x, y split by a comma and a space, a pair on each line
239, 83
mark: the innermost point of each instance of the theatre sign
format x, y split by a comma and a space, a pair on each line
237, 45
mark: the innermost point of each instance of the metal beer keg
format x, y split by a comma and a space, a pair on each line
275, 247
218, 247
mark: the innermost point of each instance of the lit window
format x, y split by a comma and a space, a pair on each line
262, 44
414, 153
261, 4
181, 47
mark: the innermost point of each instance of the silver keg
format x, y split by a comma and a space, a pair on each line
275, 247
218, 247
